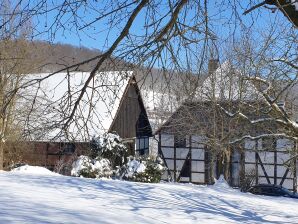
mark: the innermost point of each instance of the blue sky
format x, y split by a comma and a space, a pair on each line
100, 36
95, 36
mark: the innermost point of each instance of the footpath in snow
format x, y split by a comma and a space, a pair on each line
35, 195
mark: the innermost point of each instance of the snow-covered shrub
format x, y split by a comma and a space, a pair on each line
109, 146
91, 168
143, 169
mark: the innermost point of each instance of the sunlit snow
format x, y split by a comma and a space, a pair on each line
33, 198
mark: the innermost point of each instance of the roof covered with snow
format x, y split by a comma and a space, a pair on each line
159, 106
226, 83
58, 94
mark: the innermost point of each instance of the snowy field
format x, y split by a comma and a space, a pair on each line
36, 196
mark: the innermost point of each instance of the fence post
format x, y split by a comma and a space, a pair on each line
256, 162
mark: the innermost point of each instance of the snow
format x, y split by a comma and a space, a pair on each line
27, 198
101, 166
159, 105
58, 93
79, 164
135, 166
221, 183
295, 3
26, 169
226, 83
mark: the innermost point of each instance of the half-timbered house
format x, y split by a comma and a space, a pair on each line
199, 141
194, 152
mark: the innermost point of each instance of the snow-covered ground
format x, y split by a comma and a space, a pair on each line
27, 196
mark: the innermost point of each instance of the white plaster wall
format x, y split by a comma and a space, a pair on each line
249, 156
267, 157
167, 140
249, 167
198, 154
153, 146
198, 166
168, 152
249, 144
269, 170
284, 144
170, 164
181, 153
282, 157
198, 141
198, 177
186, 179
179, 164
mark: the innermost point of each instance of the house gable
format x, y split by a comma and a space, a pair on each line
131, 119
96, 110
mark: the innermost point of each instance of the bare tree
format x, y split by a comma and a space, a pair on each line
178, 35
14, 64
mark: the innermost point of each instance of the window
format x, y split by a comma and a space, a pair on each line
180, 141
142, 146
68, 148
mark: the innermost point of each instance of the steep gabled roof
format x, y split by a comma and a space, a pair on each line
226, 83
58, 94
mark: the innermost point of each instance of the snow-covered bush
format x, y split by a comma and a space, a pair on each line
91, 168
143, 169
109, 146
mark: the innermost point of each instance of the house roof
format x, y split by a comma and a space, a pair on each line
211, 119
57, 95
226, 83
159, 106
163, 92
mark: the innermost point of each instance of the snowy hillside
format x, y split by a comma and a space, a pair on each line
39, 197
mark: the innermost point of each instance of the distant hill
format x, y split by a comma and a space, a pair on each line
53, 57
44, 57
48, 57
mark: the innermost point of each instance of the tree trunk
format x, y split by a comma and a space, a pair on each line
1, 154
227, 163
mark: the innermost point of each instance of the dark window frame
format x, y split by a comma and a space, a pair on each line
138, 143
68, 148
179, 141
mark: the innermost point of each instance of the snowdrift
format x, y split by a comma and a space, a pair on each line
45, 198
26, 169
